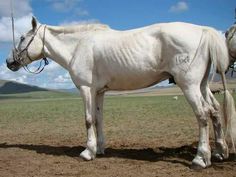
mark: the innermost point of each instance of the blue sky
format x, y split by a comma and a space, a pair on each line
118, 14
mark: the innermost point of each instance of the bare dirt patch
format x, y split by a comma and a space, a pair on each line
121, 159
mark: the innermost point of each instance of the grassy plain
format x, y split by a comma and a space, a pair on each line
141, 116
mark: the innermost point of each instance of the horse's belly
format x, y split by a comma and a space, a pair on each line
133, 80
123, 84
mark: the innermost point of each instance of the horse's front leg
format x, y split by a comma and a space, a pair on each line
89, 97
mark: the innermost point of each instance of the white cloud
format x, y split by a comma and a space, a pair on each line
22, 25
20, 8
23, 14
6, 74
52, 67
68, 6
63, 78
22, 79
181, 6
53, 76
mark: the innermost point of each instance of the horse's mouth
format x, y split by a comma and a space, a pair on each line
13, 66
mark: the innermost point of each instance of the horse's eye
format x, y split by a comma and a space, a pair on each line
22, 38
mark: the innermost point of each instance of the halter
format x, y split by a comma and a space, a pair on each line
17, 54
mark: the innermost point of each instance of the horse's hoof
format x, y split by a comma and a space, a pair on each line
221, 152
87, 155
217, 157
199, 164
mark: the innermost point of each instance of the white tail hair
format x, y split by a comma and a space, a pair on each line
220, 59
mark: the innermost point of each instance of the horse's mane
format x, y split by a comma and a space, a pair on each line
78, 28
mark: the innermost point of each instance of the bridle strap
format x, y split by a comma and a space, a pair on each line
17, 54
46, 62
30, 41
13, 26
39, 69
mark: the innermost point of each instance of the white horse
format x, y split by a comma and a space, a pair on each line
99, 59
231, 41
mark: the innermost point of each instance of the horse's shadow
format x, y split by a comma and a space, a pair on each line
182, 155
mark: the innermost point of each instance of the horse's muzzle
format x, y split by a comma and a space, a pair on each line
13, 66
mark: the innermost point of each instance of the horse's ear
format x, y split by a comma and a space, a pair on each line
34, 23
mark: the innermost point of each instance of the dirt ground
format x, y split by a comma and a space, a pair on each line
122, 159
47, 141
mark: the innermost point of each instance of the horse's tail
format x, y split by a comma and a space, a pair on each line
220, 59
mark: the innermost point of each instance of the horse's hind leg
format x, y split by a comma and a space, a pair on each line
99, 123
201, 110
221, 151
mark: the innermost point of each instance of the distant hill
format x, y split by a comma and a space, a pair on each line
11, 87
71, 90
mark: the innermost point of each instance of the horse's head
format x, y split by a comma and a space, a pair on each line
231, 42
29, 48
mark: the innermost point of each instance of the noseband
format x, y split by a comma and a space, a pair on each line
17, 55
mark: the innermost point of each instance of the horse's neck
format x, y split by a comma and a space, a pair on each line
61, 42
59, 46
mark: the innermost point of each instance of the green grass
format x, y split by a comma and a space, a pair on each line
126, 118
